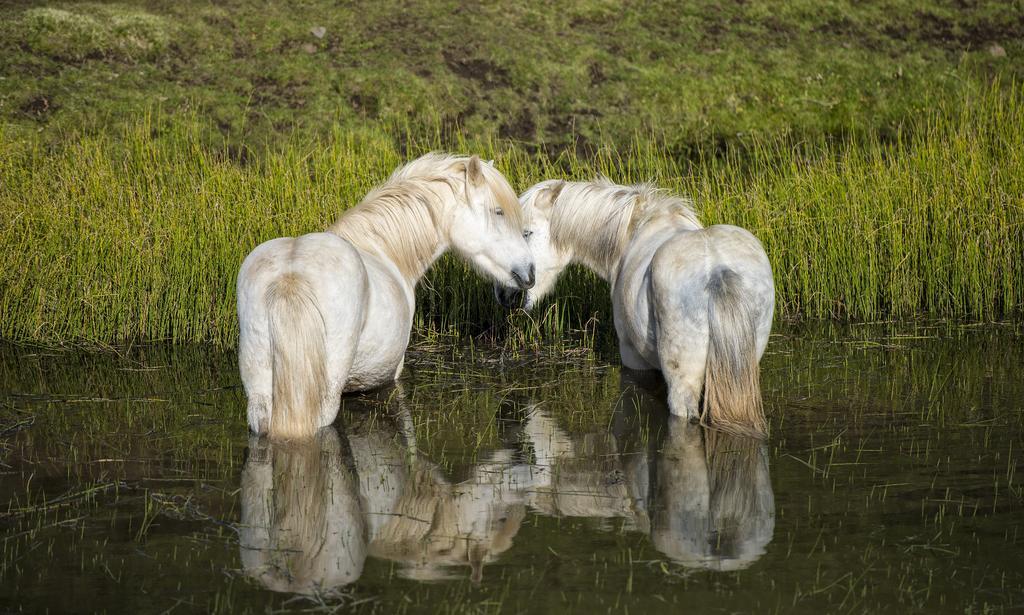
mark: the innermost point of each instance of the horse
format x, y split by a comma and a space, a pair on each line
328, 313
695, 303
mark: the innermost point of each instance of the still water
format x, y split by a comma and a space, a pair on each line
545, 482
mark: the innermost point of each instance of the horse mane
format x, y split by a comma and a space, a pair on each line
400, 216
598, 218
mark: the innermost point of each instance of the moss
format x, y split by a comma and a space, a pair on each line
92, 31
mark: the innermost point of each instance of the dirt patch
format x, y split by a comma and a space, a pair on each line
945, 33
840, 26
366, 105
268, 91
563, 131
220, 21
484, 72
38, 107
981, 34
521, 127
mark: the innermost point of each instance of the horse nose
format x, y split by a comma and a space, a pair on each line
524, 279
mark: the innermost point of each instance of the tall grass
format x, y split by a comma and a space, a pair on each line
139, 235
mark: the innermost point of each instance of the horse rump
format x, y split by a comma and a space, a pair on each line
732, 387
299, 358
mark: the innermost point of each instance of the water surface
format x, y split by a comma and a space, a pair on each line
546, 482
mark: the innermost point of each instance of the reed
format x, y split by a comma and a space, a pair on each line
139, 235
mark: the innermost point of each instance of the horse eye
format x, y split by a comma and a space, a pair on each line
499, 212
526, 234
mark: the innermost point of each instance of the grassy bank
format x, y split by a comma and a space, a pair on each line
538, 72
140, 235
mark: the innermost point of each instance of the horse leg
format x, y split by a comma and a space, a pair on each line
343, 339
631, 357
255, 365
335, 283
683, 368
682, 334
343, 325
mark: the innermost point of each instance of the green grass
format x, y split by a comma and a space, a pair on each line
546, 75
146, 146
139, 235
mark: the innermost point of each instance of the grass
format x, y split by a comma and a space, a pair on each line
544, 75
146, 146
139, 235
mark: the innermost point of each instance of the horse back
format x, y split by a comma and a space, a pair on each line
688, 260
324, 258
686, 267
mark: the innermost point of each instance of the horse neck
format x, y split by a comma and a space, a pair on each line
598, 224
595, 230
402, 224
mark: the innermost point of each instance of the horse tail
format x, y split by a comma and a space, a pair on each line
732, 387
299, 357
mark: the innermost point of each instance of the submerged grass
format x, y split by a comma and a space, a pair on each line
106, 239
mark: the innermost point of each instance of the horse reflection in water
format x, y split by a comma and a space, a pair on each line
711, 500
703, 495
419, 519
302, 525
580, 476
312, 513
715, 507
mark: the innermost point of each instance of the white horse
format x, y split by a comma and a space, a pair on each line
693, 302
328, 313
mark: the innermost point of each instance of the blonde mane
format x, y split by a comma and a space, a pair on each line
597, 219
401, 218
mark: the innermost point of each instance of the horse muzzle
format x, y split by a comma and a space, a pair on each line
525, 277
509, 298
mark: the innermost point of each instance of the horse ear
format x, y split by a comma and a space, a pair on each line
474, 171
552, 195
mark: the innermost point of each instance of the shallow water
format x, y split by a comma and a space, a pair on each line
551, 482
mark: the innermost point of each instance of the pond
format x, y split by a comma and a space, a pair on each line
547, 481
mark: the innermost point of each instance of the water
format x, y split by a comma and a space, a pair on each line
550, 482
